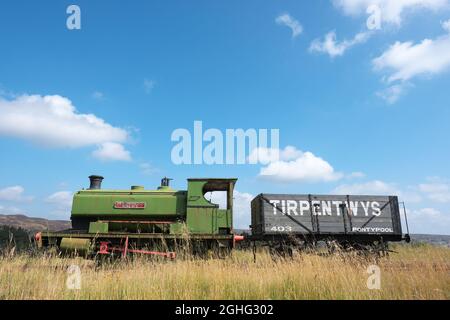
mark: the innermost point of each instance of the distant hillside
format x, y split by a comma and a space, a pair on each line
442, 240
33, 224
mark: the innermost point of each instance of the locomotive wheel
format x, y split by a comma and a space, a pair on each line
104, 260
200, 249
221, 250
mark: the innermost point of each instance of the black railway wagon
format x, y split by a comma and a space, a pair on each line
345, 218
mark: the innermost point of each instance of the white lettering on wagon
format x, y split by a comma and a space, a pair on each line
325, 208
129, 205
372, 230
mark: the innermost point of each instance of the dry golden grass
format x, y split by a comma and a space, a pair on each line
414, 272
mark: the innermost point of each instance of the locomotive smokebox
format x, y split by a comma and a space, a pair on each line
96, 182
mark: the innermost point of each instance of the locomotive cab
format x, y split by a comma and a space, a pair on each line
205, 217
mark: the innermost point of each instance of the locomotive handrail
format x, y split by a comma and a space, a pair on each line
137, 221
407, 236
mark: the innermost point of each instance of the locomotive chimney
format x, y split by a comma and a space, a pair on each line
165, 182
96, 182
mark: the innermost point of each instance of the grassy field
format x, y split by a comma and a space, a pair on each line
414, 272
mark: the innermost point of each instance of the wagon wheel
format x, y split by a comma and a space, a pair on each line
333, 247
281, 251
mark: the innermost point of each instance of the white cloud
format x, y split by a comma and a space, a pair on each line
54, 121
294, 165
111, 151
406, 60
147, 168
392, 93
356, 174
334, 48
61, 199
62, 203
428, 221
241, 209
14, 193
392, 11
97, 95
375, 187
241, 206
423, 219
446, 25
288, 21
10, 210
268, 155
149, 85
436, 190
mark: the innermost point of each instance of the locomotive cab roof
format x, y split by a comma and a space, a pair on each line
216, 184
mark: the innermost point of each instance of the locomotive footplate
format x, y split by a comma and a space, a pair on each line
164, 245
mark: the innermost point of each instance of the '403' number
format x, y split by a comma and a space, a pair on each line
281, 228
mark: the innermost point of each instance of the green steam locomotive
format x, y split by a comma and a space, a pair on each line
154, 222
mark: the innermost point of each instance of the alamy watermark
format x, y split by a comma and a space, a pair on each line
374, 20
374, 279
73, 281
234, 146
73, 21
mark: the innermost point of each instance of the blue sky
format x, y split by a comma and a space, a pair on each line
373, 108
